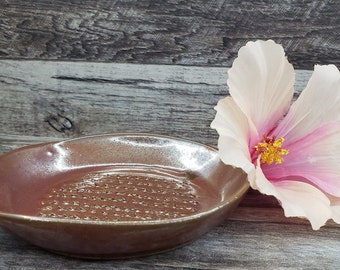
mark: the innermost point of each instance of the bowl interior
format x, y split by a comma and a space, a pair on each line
128, 177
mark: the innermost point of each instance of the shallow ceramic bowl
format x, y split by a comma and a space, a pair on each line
115, 196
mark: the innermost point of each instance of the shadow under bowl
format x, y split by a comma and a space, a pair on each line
116, 195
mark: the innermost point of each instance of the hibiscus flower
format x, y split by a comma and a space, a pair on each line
290, 152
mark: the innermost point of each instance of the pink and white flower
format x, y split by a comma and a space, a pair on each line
290, 152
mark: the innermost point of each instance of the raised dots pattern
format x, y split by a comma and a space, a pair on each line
123, 196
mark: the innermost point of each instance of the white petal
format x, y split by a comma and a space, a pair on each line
335, 207
261, 83
232, 126
231, 152
230, 121
298, 199
318, 103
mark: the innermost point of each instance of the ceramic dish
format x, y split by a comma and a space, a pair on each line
116, 195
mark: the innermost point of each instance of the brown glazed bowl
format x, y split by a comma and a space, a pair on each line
116, 195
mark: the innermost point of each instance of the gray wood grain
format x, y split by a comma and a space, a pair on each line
168, 32
70, 99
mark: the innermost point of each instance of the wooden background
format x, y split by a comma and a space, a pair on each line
190, 32
75, 68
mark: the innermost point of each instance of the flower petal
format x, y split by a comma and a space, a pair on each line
335, 207
298, 199
261, 83
314, 158
232, 126
318, 103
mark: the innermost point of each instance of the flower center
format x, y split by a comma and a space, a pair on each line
271, 150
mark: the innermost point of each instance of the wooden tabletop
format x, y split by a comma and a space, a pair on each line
77, 68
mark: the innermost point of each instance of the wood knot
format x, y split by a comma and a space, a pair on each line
59, 122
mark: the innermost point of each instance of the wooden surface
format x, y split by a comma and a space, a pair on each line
75, 68
191, 32
69, 99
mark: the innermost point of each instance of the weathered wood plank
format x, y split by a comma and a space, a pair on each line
168, 32
258, 244
70, 99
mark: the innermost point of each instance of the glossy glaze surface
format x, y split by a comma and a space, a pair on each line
116, 195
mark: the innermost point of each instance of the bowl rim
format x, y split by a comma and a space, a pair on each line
51, 220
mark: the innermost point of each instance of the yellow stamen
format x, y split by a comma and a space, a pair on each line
271, 151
